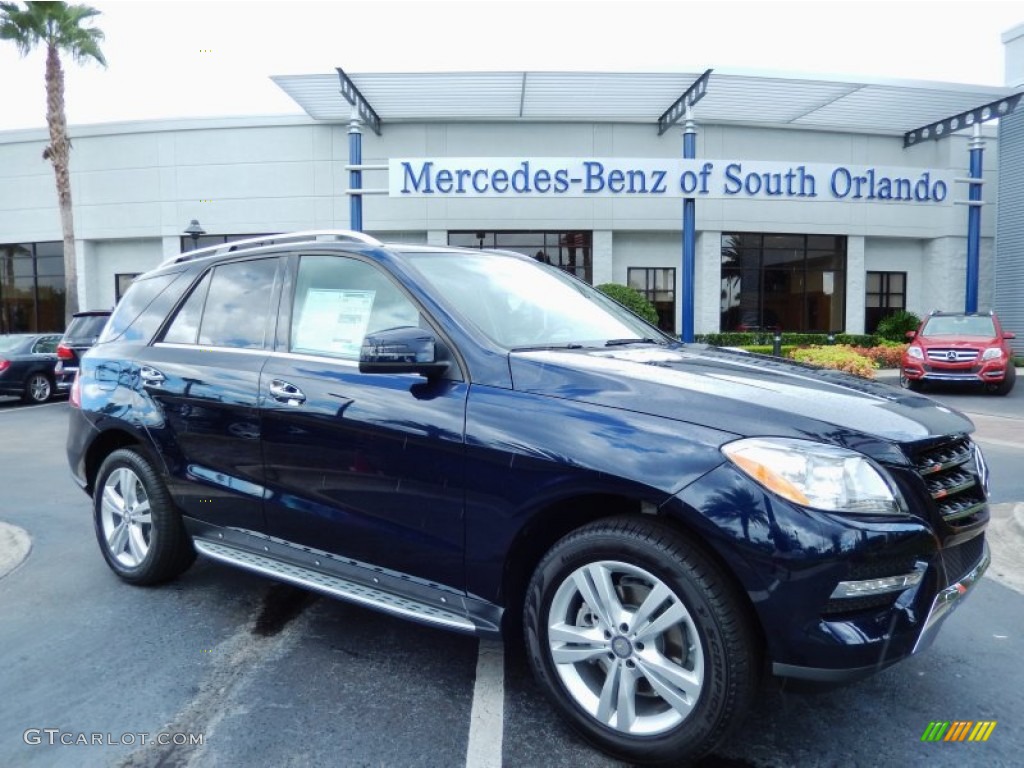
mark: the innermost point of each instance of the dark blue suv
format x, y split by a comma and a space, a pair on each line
481, 442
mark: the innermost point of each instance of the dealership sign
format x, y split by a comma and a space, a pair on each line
619, 177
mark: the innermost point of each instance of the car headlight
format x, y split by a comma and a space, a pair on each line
915, 352
816, 475
992, 353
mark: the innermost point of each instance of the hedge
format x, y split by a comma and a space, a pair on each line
746, 339
631, 299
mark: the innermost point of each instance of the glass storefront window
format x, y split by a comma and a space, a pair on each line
572, 251
658, 285
32, 289
885, 294
783, 282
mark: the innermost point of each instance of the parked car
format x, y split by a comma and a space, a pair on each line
481, 442
959, 347
82, 332
27, 361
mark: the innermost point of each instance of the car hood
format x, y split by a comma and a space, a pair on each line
736, 392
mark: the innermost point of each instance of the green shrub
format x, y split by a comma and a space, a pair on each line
885, 355
766, 349
631, 299
760, 338
839, 358
894, 327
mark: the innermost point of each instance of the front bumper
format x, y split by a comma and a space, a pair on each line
988, 372
945, 602
791, 562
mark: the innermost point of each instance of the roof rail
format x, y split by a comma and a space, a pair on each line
313, 235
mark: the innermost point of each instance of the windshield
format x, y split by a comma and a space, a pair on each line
959, 326
523, 304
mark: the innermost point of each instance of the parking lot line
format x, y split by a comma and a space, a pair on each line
23, 408
487, 715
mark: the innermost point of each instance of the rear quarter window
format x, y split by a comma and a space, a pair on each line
141, 311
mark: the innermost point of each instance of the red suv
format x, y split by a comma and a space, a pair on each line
956, 346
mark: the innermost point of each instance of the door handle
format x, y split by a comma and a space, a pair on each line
151, 376
286, 393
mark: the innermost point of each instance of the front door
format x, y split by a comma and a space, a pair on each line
364, 466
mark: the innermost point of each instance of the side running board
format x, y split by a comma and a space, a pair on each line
334, 586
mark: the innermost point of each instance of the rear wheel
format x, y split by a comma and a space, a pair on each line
38, 388
140, 532
640, 641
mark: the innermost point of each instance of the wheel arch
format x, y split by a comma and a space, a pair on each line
557, 520
105, 444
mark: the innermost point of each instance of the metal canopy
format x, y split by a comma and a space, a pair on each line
882, 107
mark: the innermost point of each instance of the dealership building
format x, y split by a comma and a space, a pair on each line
811, 214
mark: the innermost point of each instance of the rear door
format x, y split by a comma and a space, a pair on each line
201, 379
365, 466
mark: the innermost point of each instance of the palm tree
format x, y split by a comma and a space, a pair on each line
58, 26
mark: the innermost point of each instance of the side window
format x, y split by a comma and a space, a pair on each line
237, 305
185, 327
46, 346
338, 301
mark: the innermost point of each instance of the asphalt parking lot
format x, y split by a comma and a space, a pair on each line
271, 675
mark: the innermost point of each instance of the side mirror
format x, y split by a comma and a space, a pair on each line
402, 350
1009, 335
911, 334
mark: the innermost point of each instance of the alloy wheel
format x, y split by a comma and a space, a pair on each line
126, 518
626, 648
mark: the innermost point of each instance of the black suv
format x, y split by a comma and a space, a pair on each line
481, 442
82, 333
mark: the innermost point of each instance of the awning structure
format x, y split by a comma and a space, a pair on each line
878, 107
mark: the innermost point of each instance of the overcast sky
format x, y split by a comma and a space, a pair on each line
183, 59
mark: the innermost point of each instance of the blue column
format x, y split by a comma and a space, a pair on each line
689, 236
974, 221
355, 178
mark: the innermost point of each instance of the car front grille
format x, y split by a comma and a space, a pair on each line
953, 355
950, 475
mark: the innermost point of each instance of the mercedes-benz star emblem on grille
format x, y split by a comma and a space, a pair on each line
951, 355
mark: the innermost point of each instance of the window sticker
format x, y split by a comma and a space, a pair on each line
334, 321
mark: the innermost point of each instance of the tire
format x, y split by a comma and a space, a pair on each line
912, 384
149, 544
675, 685
1004, 387
38, 389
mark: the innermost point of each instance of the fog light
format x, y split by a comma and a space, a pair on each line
866, 587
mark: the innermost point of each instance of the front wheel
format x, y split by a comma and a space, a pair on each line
140, 532
640, 641
38, 389
1006, 385
912, 384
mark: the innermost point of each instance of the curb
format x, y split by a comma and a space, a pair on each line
15, 544
1005, 536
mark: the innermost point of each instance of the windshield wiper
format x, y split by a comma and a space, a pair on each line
535, 347
620, 342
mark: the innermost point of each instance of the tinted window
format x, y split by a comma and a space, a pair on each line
238, 304
339, 300
128, 319
185, 328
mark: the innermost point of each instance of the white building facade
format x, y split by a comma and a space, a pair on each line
766, 255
